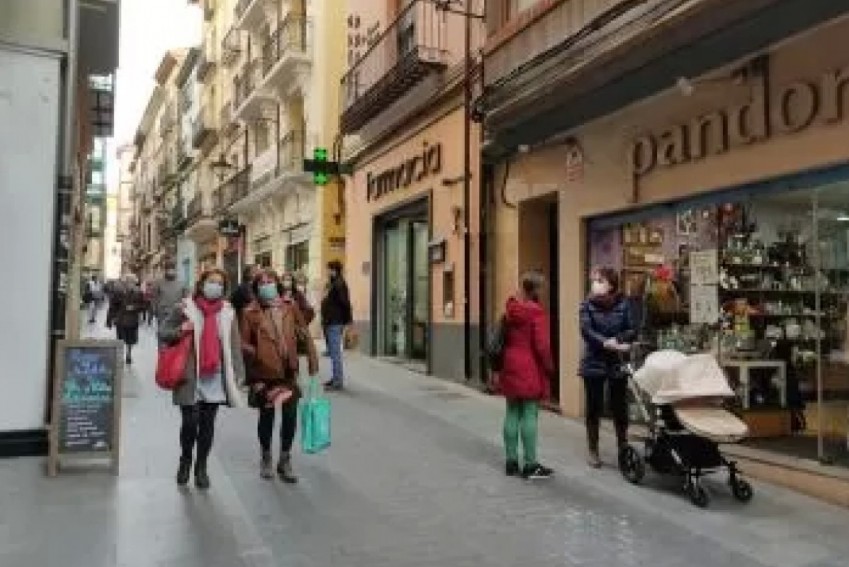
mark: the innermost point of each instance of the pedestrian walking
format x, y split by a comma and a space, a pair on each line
273, 327
93, 298
525, 377
243, 295
214, 370
336, 315
607, 327
148, 293
168, 292
125, 309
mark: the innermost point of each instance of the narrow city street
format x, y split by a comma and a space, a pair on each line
414, 478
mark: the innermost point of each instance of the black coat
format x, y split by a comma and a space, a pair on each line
598, 324
336, 306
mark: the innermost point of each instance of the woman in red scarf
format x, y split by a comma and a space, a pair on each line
213, 372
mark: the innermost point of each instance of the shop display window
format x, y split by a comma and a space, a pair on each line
762, 282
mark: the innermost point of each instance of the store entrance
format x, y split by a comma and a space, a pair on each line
403, 305
539, 250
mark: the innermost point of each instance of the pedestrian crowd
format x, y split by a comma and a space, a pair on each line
260, 339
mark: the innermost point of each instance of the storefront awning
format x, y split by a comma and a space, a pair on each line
602, 90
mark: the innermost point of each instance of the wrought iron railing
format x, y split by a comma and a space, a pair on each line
289, 37
231, 46
415, 40
291, 152
245, 82
233, 190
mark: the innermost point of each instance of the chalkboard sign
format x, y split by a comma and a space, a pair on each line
86, 402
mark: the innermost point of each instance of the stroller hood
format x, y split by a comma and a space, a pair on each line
669, 376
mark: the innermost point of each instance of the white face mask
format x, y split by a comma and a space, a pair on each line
599, 287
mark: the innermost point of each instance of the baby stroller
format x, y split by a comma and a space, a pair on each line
680, 398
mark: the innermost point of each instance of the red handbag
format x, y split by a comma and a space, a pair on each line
171, 363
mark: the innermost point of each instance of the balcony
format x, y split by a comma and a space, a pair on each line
284, 53
232, 191
203, 130
206, 61
410, 49
249, 14
184, 158
209, 9
167, 121
272, 171
228, 122
249, 102
231, 47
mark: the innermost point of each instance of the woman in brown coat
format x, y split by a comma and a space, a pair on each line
273, 328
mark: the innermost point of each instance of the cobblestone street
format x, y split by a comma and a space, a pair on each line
414, 478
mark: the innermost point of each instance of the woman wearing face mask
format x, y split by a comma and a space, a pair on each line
213, 373
607, 327
272, 328
525, 377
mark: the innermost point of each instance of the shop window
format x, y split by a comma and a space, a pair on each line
448, 292
761, 282
298, 257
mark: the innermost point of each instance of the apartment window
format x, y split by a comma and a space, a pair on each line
262, 137
516, 7
297, 256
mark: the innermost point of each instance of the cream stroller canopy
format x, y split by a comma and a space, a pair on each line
669, 377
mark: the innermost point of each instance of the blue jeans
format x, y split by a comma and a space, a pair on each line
335, 334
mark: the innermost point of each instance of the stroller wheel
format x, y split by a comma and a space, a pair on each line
698, 495
631, 465
742, 490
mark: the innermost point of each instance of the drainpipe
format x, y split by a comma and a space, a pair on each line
65, 299
467, 186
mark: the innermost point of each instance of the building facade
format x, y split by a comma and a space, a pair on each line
413, 240
52, 55
703, 166
265, 105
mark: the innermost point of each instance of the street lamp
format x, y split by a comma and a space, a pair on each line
460, 8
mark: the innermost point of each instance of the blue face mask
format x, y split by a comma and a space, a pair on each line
213, 290
268, 292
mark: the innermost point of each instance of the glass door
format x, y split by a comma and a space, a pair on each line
395, 289
419, 240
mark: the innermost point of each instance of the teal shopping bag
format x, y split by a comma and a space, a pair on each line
315, 420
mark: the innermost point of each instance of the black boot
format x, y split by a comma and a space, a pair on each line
266, 469
593, 458
201, 477
284, 469
621, 435
184, 471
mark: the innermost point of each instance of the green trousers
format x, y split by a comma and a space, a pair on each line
521, 421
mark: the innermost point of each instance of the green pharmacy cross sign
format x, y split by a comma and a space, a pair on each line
322, 169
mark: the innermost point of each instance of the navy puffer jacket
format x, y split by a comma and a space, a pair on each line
600, 321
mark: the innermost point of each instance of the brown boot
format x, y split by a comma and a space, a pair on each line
593, 458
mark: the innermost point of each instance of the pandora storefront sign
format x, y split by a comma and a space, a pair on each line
770, 111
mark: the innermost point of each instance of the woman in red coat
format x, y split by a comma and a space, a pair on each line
524, 379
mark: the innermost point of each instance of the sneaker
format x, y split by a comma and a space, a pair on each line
537, 472
266, 469
284, 469
512, 469
593, 460
184, 471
